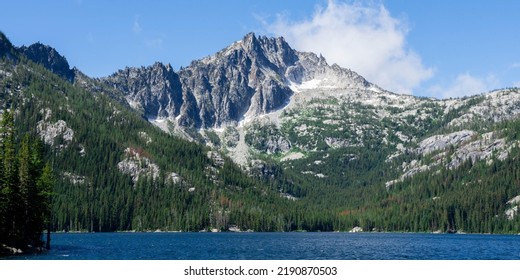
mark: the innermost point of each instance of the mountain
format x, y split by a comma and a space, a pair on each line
7, 49
275, 110
116, 171
49, 58
251, 77
323, 149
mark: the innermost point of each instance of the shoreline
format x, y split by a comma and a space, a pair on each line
296, 231
7, 251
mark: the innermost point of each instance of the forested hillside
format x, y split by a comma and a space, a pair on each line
115, 171
26, 183
342, 153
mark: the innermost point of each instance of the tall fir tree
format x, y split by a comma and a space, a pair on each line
10, 180
25, 188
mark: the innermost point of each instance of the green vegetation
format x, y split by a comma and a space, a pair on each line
337, 185
471, 198
25, 188
93, 194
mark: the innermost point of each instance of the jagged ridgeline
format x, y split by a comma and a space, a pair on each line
345, 143
115, 171
280, 140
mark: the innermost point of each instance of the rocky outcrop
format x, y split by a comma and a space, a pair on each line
277, 144
175, 178
441, 142
481, 149
454, 149
216, 158
267, 139
356, 229
96, 86
74, 178
145, 137
512, 207
289, 196
57, 134
136, 164
49, 58
495, 106
336, 142
156, 90
231, 137
261, 169
51, 132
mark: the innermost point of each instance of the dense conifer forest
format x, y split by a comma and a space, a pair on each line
193, 191
26, 183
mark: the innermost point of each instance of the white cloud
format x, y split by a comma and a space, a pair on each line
136, 28
364, 38
465, 85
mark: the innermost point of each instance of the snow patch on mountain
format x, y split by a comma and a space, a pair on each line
312, 84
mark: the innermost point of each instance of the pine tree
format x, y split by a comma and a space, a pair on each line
25, 189
10, 181
24, 219
44, 186
4, 191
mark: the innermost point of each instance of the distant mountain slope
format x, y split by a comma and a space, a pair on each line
118, 172
324, 148
265, 104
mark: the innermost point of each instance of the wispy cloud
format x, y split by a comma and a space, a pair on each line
465, 85
515, 65
155, 43
136, 28
362, 37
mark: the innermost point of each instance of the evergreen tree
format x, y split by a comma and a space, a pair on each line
10, 182
4, 191
43, 201
25, 189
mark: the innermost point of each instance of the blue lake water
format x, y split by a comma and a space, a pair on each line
283, 246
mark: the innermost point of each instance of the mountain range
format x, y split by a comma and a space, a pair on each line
282, 141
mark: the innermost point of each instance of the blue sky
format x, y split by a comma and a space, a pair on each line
435, 48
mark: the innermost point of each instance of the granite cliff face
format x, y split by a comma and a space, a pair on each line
156, 90
253, 76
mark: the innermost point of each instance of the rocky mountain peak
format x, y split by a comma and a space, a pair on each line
253, 76
274, 50
6, 47
250, 42
50, 59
